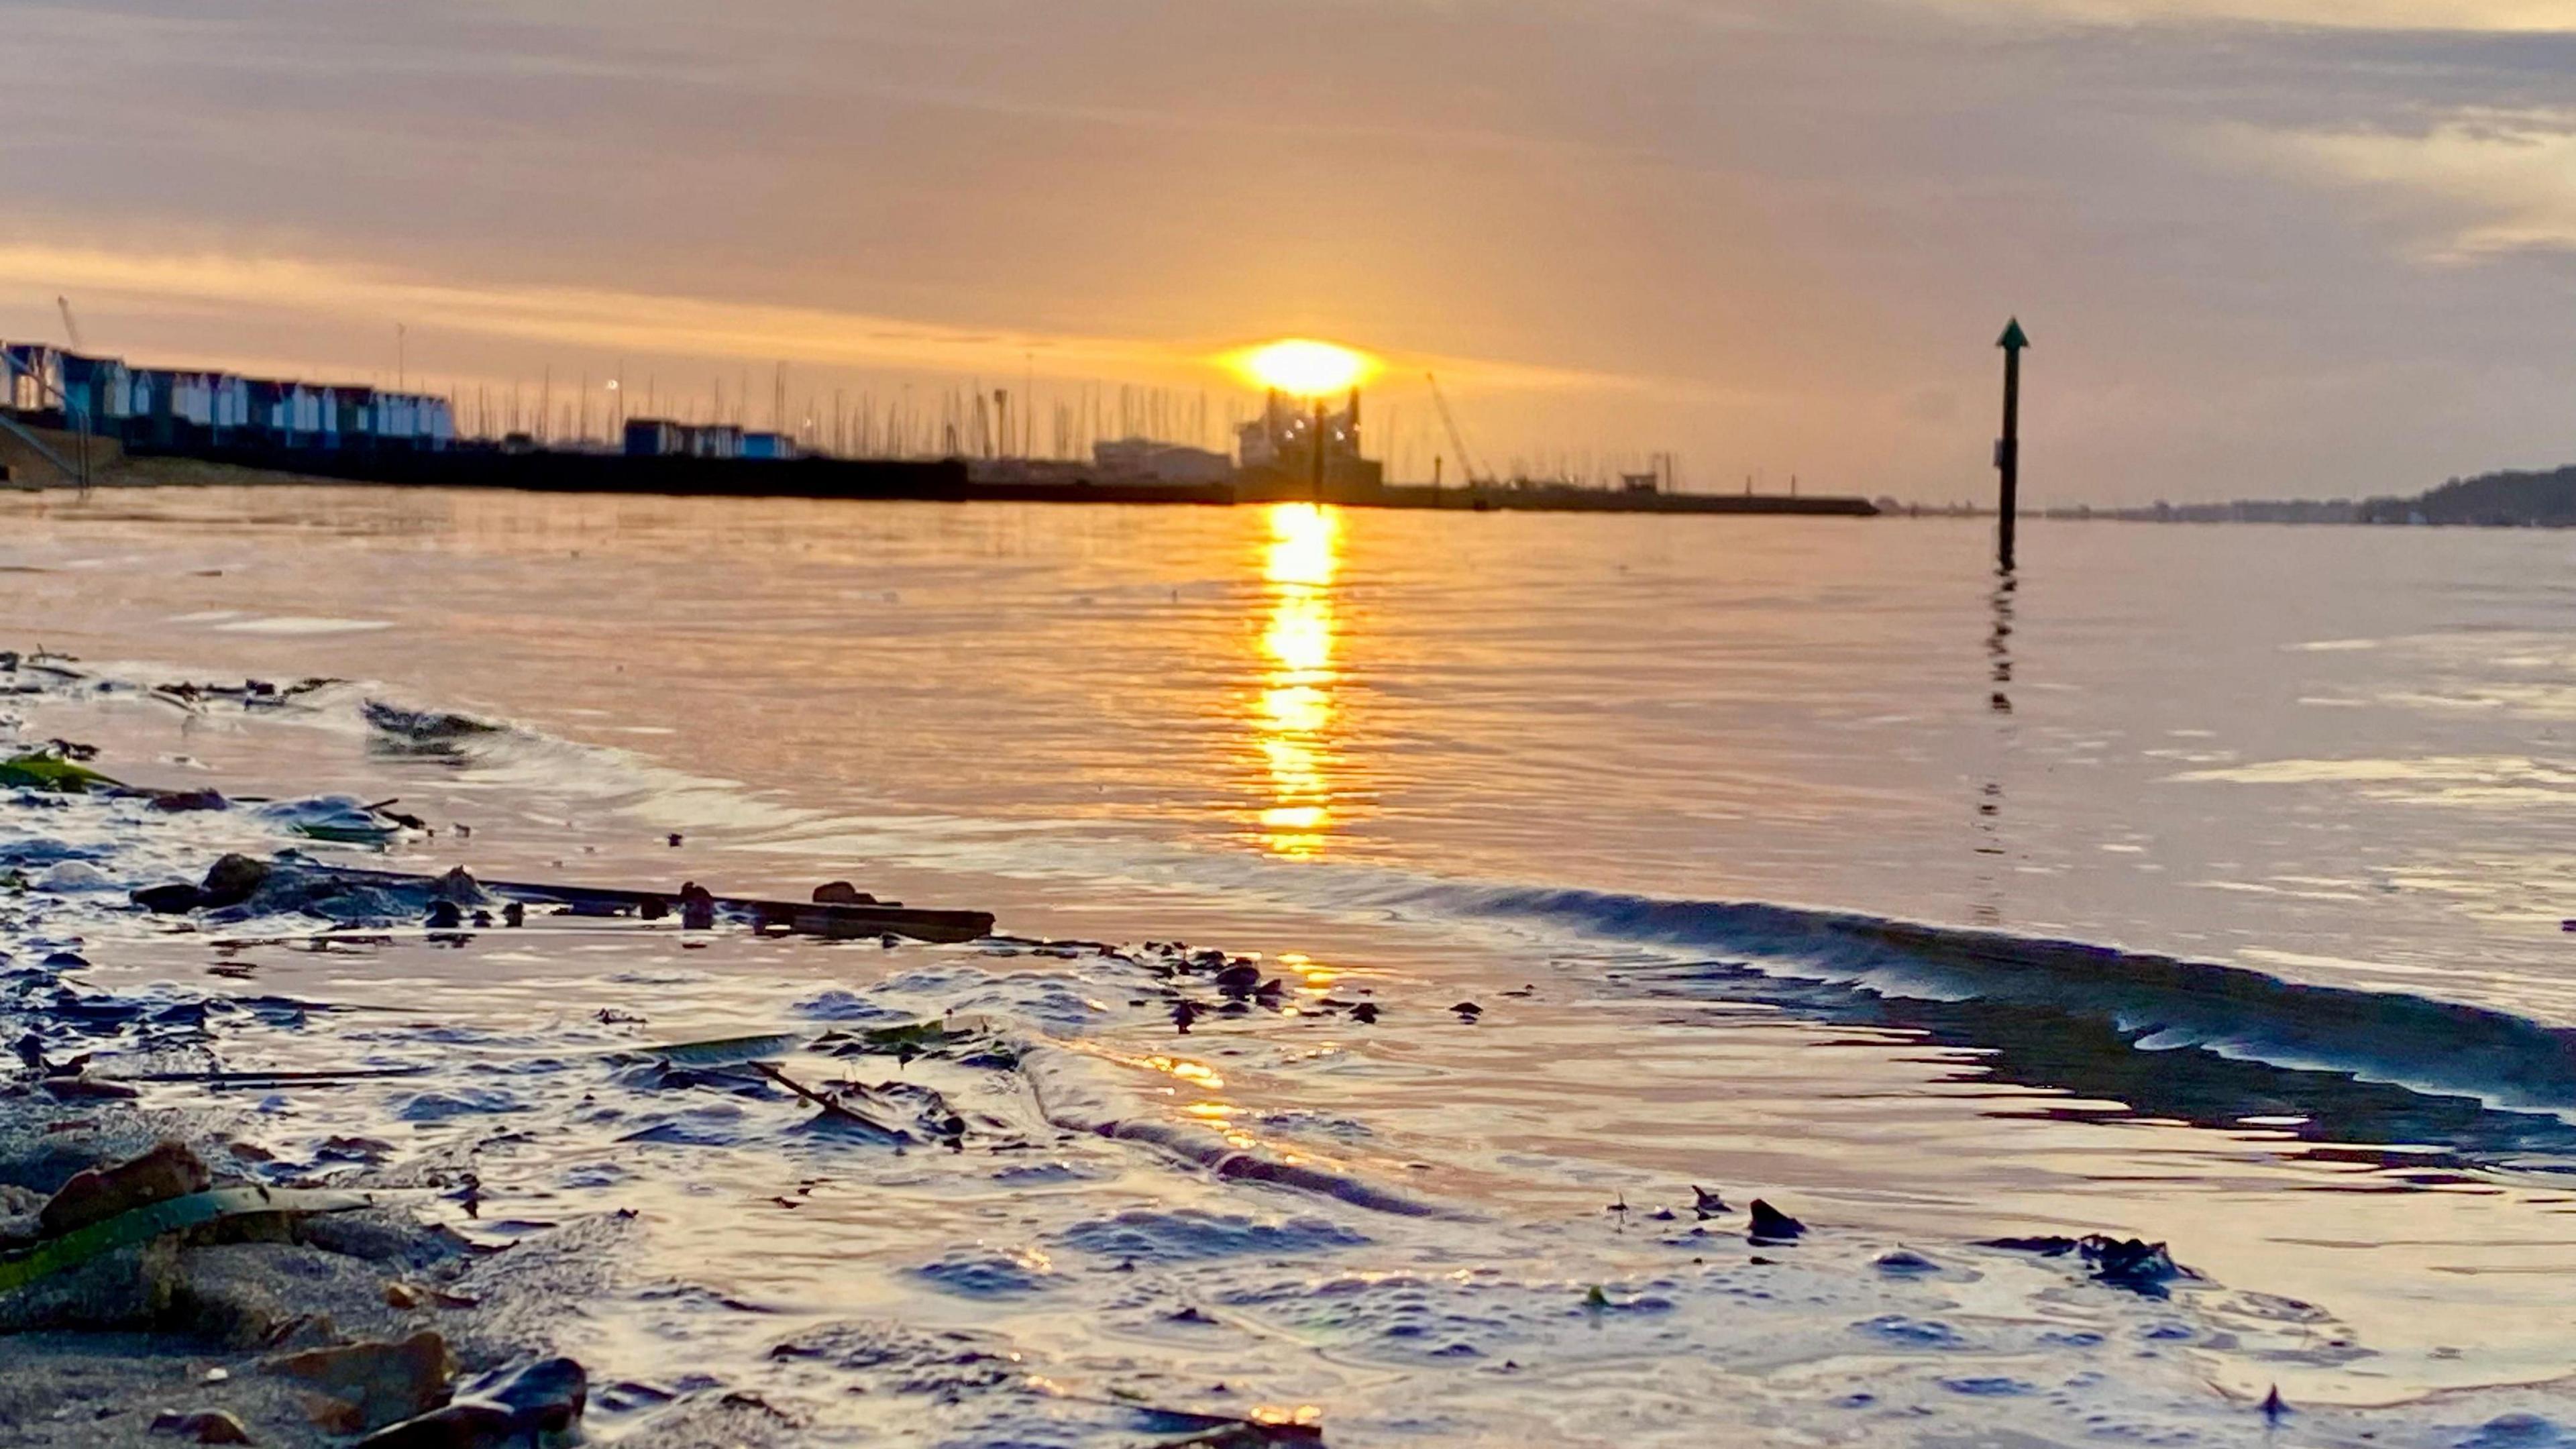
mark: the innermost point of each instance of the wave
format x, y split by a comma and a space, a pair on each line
2198, 1040
2195, 1040
2165, 1036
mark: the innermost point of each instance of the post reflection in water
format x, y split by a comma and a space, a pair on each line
1988, 908
1292, 716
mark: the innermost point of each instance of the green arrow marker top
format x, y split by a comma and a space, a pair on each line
2014, 337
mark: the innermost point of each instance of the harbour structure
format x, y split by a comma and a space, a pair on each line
664, 438
1160, 462
1279, 447
1293, 450
179, 408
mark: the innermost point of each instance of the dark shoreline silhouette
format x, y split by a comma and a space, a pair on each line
942, 481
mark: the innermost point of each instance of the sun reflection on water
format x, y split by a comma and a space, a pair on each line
1293, 713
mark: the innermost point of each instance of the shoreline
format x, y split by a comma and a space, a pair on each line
1057, 1122
945, 481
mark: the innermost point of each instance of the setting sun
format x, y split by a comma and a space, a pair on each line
1304, 366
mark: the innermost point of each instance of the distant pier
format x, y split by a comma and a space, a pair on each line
949, 481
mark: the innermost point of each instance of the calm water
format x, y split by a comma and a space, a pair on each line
1814, 863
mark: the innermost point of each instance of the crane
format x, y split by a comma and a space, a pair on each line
1457, 440
71, 328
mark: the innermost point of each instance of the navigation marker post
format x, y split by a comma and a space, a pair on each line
2008, 447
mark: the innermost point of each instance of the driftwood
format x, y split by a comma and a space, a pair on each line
846, 921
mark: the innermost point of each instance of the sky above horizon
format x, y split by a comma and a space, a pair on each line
2263, 247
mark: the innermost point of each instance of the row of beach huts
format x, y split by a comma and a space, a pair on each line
182, 408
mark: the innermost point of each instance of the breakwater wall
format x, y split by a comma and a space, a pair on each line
940, 481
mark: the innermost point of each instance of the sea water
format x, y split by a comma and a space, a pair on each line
2197, 883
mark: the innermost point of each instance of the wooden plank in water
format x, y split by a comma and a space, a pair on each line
835, 919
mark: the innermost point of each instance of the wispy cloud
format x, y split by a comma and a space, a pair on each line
2471, 189
1767, 235
648, 324
2507, 16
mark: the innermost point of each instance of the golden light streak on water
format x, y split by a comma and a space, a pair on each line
1294, 713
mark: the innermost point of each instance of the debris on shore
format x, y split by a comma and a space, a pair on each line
296, 1313
2139, 1266
1088, 1191
241, 887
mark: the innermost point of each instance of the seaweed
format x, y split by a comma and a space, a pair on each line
973, 1043
51, 770
170, 1215
723, 1051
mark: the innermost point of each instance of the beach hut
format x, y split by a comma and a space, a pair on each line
654, 438
268, 414
228, 405
286, 414
35, 377
348, 415
192, 400
99, 388
173, 407
307, 405
437, 424
154, 393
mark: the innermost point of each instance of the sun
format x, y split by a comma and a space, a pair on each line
1303, 366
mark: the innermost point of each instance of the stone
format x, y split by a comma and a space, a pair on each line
1772, 1226
206, 1426
234, 879
169, 1170
457, 1426
538, 1404
177, 802
175, 899
365, 1386
459, 887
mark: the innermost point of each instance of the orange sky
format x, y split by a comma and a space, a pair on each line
2265, 247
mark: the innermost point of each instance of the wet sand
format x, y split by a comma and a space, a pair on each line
1380, 787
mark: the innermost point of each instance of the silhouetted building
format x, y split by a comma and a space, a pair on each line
1279, 446
1162, 462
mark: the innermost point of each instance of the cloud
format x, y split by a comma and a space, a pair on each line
2472, 188
2504, 16
1771, 236
647, 324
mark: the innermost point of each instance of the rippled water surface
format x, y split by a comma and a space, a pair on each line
2203, 883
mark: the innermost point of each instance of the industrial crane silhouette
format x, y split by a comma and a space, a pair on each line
1457, 439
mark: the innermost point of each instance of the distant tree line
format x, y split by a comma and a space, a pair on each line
2494, 500
2241, 510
